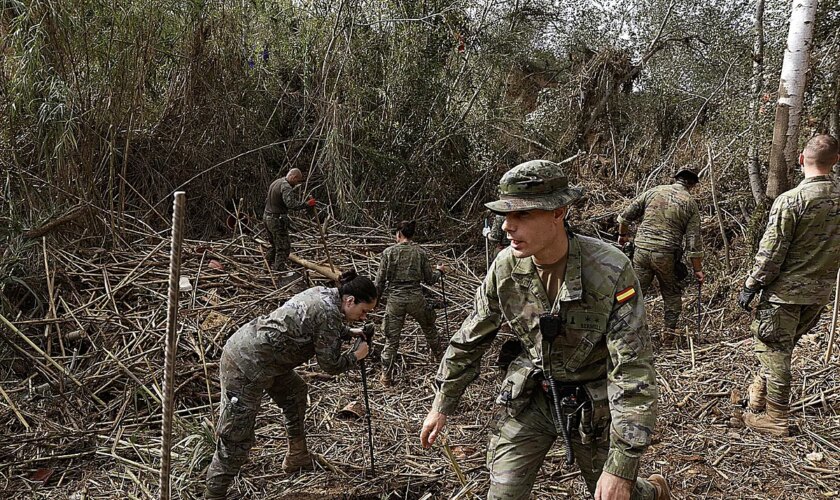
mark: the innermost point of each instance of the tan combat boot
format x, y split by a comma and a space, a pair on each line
663, 492
757, 393
774, 422
385, 379
298, 457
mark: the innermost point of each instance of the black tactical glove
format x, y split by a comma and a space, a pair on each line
745, 297
368, 331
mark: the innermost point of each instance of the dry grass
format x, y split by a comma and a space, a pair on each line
107, 331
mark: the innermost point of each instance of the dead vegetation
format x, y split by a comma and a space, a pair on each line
82, 418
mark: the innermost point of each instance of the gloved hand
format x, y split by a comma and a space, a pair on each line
368, 331
745, 297
311, 202
485, 232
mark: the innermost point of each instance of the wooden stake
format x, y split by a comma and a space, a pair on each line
171, 344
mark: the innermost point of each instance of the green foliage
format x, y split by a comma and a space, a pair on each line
395, 108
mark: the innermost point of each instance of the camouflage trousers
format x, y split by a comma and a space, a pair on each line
241, 399
398, 307
776, 330
281, 245
649, 265
519, 445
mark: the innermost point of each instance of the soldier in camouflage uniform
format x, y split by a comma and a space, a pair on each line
603, 350
496, 235
668, 215
402, 269
794, 271
278, 202
261, 357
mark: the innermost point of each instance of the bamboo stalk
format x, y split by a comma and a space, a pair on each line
717, 208
171, 343
48, 358
15, 409
834, 315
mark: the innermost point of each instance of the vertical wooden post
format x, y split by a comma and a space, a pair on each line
171, 344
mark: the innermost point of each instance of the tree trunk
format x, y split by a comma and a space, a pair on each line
785, 148
753, 168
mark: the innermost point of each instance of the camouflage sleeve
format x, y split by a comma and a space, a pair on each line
635, 210
631, 380
774, 245
289, 199
429, 277
462, 361
382, 274
693, 237
328, 349
496, 233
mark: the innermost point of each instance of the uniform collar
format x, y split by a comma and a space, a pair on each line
816, 178
525, 273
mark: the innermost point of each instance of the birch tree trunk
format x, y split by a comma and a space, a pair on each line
785, 149
756, 185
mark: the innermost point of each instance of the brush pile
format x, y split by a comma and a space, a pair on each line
80, 406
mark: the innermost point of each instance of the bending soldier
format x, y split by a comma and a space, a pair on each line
668, 215
794, 270
600, 360
261, 357
402, 269
278, 202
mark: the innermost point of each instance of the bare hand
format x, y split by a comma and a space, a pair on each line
432, 427
701, 276
443, 268
612, 487
361, 351
623, 239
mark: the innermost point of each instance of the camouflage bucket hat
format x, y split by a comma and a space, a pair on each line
534, 185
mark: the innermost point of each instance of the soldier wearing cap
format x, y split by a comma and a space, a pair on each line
602, 354
668, 216
794, 269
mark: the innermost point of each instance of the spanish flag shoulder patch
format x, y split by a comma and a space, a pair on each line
625, 295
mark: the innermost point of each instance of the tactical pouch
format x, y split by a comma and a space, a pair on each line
765, 326
680, 269
595, 418
518, 385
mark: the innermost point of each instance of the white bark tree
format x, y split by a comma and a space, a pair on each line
784, 152
756, 185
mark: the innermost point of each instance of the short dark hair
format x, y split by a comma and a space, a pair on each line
822, 149
406, 228
360, 287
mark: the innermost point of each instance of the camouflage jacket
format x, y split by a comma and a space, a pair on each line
310, 323
799, 253
403, 267
668, 213
606, 341
281, 198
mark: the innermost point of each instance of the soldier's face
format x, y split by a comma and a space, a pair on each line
356, 311
535, 232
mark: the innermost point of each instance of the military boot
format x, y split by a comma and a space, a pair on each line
385, 379
774, 422
669, 336
298, 457
663, 492
757, 393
